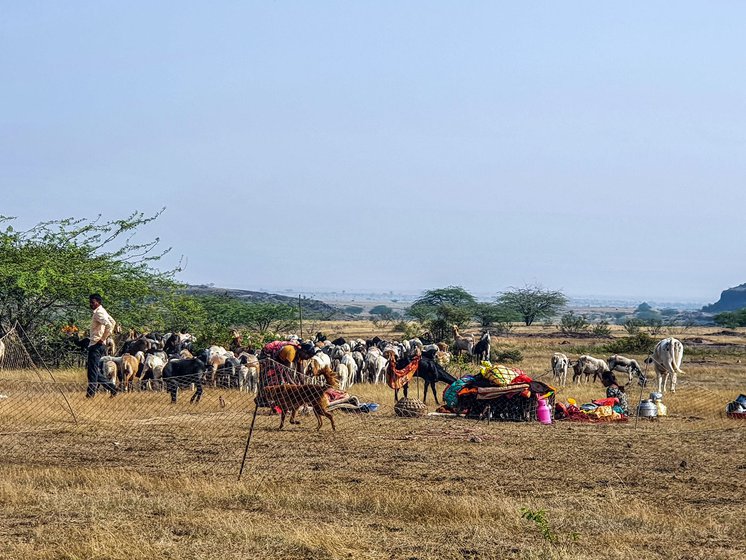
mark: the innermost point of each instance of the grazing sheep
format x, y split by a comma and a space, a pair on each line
375, 365
131, 366
152, 368
349, 362
110, 370
343, 375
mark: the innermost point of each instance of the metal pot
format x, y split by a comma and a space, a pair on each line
647, 409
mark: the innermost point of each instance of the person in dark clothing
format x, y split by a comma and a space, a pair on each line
102, 326
614, 389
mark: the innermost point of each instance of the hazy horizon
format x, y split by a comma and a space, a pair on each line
594, 148
482, 296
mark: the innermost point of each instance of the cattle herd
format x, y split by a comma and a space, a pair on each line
150, 361
666, 359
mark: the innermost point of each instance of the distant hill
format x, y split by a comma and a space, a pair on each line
312, 308
730, 300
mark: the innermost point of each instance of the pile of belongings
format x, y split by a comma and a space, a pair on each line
600, 410
349, 403
737, 409
479, 395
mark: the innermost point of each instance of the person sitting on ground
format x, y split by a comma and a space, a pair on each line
615, 390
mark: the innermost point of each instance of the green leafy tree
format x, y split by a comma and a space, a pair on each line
570, 323
632, 326
271, 317
48, 271
731, 319
353, 309
441, 308
491, 314
382, 310
601, 328
533, 302
213, 318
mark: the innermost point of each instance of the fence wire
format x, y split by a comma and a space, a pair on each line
46, 420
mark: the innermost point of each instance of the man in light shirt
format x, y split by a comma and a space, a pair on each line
102, 326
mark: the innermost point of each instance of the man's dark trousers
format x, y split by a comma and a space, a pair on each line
95, 375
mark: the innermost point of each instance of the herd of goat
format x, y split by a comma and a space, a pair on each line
150, 360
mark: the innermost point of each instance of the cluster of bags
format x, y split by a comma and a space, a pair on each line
489, 376
607, 409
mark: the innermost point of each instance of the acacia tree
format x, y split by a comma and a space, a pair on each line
441, 308
533, 302
494, 314
48, 271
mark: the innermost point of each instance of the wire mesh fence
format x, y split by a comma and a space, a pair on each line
47, 420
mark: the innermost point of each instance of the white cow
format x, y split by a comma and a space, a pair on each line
666, 358
559, 368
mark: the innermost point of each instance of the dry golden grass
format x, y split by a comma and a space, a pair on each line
381, 486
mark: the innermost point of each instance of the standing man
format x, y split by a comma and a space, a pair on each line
102, 326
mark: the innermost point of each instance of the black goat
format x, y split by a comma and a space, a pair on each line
481, 349
430, 371
182, 373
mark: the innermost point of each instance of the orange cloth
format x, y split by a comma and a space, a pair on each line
286, 355
397, 378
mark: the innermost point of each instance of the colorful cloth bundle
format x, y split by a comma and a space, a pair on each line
498, 374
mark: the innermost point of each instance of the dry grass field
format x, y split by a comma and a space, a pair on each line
138, 478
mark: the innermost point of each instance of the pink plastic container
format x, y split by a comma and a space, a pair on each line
543, 414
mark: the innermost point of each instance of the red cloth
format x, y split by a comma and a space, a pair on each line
335, 394
397, 378
522, 378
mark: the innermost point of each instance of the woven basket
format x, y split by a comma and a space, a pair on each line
409, 408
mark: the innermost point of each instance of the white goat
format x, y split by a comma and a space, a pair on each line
375, 365
559, 368
349, 362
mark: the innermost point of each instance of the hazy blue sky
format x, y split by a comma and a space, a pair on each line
594, 147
